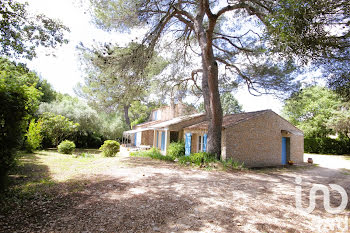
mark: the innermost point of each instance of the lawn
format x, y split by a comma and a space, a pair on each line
51, 192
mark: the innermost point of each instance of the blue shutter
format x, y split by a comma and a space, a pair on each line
188, 144
284, 151
163, 141
205, 142
157, 138
155, 115
135, 138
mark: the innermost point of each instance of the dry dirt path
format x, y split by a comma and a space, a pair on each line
144, 195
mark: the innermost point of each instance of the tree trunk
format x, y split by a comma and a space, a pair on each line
126, 115
210, 90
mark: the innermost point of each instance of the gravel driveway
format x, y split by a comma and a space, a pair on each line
330, 161
144, 195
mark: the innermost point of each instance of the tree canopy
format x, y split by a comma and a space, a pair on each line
253, 41
21, 33
118, 76
310, 109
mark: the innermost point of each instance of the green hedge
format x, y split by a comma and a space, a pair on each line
327, 146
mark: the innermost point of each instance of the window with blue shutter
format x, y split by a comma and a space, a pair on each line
135, 138
188, 144
163, 141
155, 115
205, 142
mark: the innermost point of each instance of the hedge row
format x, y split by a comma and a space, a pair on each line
327, 146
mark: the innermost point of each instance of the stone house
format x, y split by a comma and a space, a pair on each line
165, 125
261, 138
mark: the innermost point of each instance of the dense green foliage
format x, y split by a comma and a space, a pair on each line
340, 120
326, 145
33, 136
110, 148
66, 147
176, 149
202, 159
56, 128
95, 125
320, 113
19, 99
310, 109
21, 33
198, 158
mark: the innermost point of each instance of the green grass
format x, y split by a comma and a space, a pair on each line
45, 173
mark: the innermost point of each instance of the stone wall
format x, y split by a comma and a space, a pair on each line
258, 141
147, 137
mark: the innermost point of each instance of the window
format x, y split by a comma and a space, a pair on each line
200, 143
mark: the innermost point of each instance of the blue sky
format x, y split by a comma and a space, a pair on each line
63, 70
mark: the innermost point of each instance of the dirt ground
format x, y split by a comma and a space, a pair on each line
145, 195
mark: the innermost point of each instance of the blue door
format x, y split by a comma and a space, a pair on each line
162, 146
205, 142
284, 151
188, 144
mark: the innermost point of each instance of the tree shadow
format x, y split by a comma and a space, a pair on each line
165, 197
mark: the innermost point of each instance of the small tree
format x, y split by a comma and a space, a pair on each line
33, 136
57, 127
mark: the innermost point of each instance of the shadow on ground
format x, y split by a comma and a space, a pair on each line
145, 195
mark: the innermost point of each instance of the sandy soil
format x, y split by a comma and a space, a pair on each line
144, 195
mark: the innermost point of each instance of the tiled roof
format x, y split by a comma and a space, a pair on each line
229, 120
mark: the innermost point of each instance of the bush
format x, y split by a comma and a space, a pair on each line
198, 158
327, 145
110, 148
66, 147
176, 149
153, 153
233, 164
34, 136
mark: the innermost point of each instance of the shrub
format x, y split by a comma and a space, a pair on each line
34, 136
233, 164
66, 147
198, 158
326, 145
110, 148
176, 149
153, 153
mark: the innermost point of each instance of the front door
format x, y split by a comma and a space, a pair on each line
284, 150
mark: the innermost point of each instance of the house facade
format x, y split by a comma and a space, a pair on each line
261, 138
165, 125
